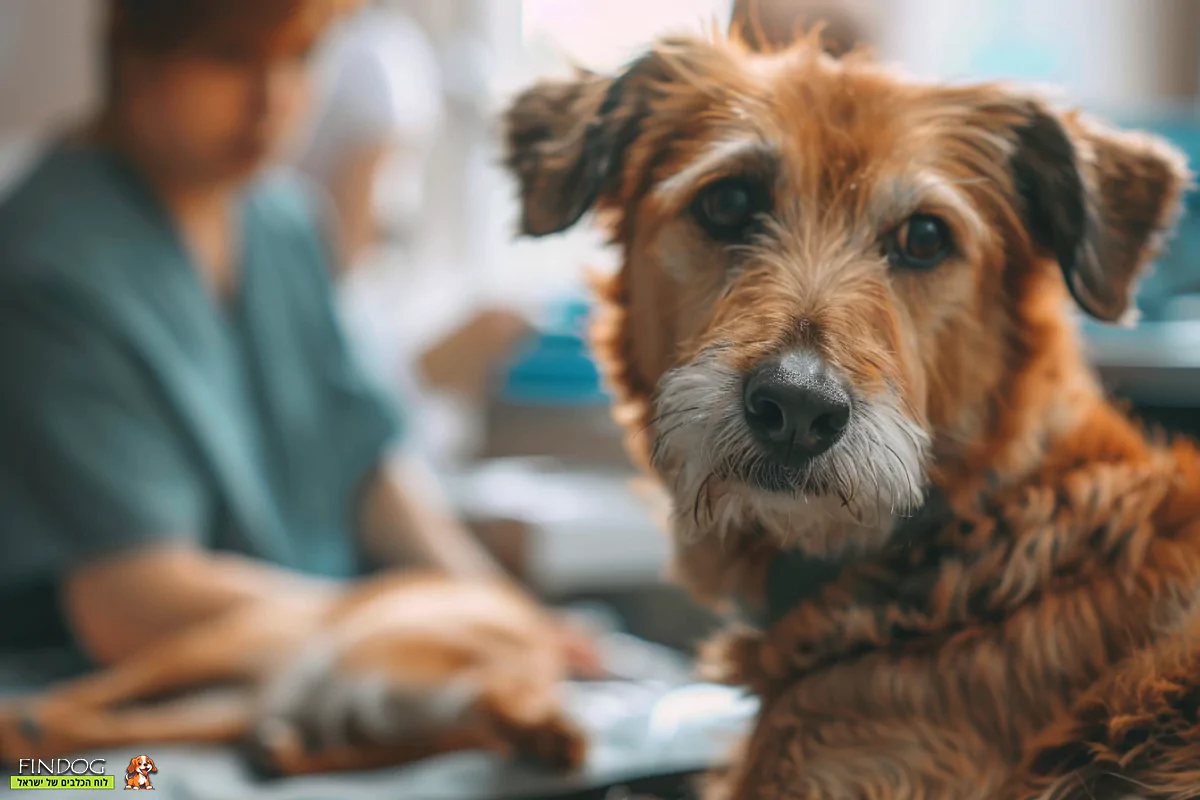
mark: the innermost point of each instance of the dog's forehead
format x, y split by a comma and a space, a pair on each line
853, 129
851, 144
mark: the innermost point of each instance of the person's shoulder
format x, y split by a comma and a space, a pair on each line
56, 180
56, 209
28, 198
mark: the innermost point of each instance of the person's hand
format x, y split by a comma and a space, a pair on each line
462, 361
579, 650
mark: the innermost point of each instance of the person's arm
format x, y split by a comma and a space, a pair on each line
98, 484
118, 605
406, 519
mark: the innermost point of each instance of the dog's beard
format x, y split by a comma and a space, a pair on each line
722, 483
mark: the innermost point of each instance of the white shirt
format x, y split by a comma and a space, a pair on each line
379, 84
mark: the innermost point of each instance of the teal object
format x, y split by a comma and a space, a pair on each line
1177, 271
1016, 51
1018, 60
140, 410
556, 367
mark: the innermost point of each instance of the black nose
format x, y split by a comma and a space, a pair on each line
795, 408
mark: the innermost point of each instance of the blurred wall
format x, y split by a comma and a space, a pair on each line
47, 74
1121, 56
46, 62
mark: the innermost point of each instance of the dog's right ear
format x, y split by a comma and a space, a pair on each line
1100, 200
566, 139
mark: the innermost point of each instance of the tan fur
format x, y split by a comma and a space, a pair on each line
1039, 644
401, 667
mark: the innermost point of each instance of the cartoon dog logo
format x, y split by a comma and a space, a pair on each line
137, 774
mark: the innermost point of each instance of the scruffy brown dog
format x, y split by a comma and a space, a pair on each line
842, 340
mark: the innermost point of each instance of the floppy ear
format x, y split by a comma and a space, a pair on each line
132, 768
565, 141
1101, 201
153, 766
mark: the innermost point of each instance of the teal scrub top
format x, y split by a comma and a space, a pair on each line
136, 409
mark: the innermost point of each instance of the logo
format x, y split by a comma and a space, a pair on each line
61, 773
137, 774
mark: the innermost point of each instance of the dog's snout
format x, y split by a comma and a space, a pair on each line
795, 408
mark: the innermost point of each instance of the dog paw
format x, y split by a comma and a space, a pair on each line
740, 657
730, 657
552, 741
557, 743
273, 747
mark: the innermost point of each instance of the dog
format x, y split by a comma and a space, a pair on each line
137, 774
843, 339
391, 670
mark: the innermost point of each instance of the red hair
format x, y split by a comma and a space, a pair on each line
165, 27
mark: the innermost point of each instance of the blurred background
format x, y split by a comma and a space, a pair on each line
531, 454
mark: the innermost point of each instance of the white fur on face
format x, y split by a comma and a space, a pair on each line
848, 498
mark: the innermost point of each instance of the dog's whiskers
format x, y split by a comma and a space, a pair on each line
703, 490
657, 418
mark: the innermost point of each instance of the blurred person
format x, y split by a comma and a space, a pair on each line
379, 108
775, 23
379, 115
183, 427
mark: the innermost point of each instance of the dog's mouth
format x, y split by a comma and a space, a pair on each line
777, 478
774, 472
778, 438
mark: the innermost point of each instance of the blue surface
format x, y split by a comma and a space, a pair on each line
1177, 271
555, 368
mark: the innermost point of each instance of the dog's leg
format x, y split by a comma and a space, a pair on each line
363, 724
86, 712
1134, 734
198, 720
238, 646
527, 714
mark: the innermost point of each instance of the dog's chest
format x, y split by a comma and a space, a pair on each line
862, 728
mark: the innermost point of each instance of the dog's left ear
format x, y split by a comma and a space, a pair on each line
1101, 201
566, 141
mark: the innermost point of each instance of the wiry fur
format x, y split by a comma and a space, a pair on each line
705, 451
1041, 644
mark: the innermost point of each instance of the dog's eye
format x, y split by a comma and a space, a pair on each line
922, 242
727, 208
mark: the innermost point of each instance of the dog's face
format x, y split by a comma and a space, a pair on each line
143, 765
836, 281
